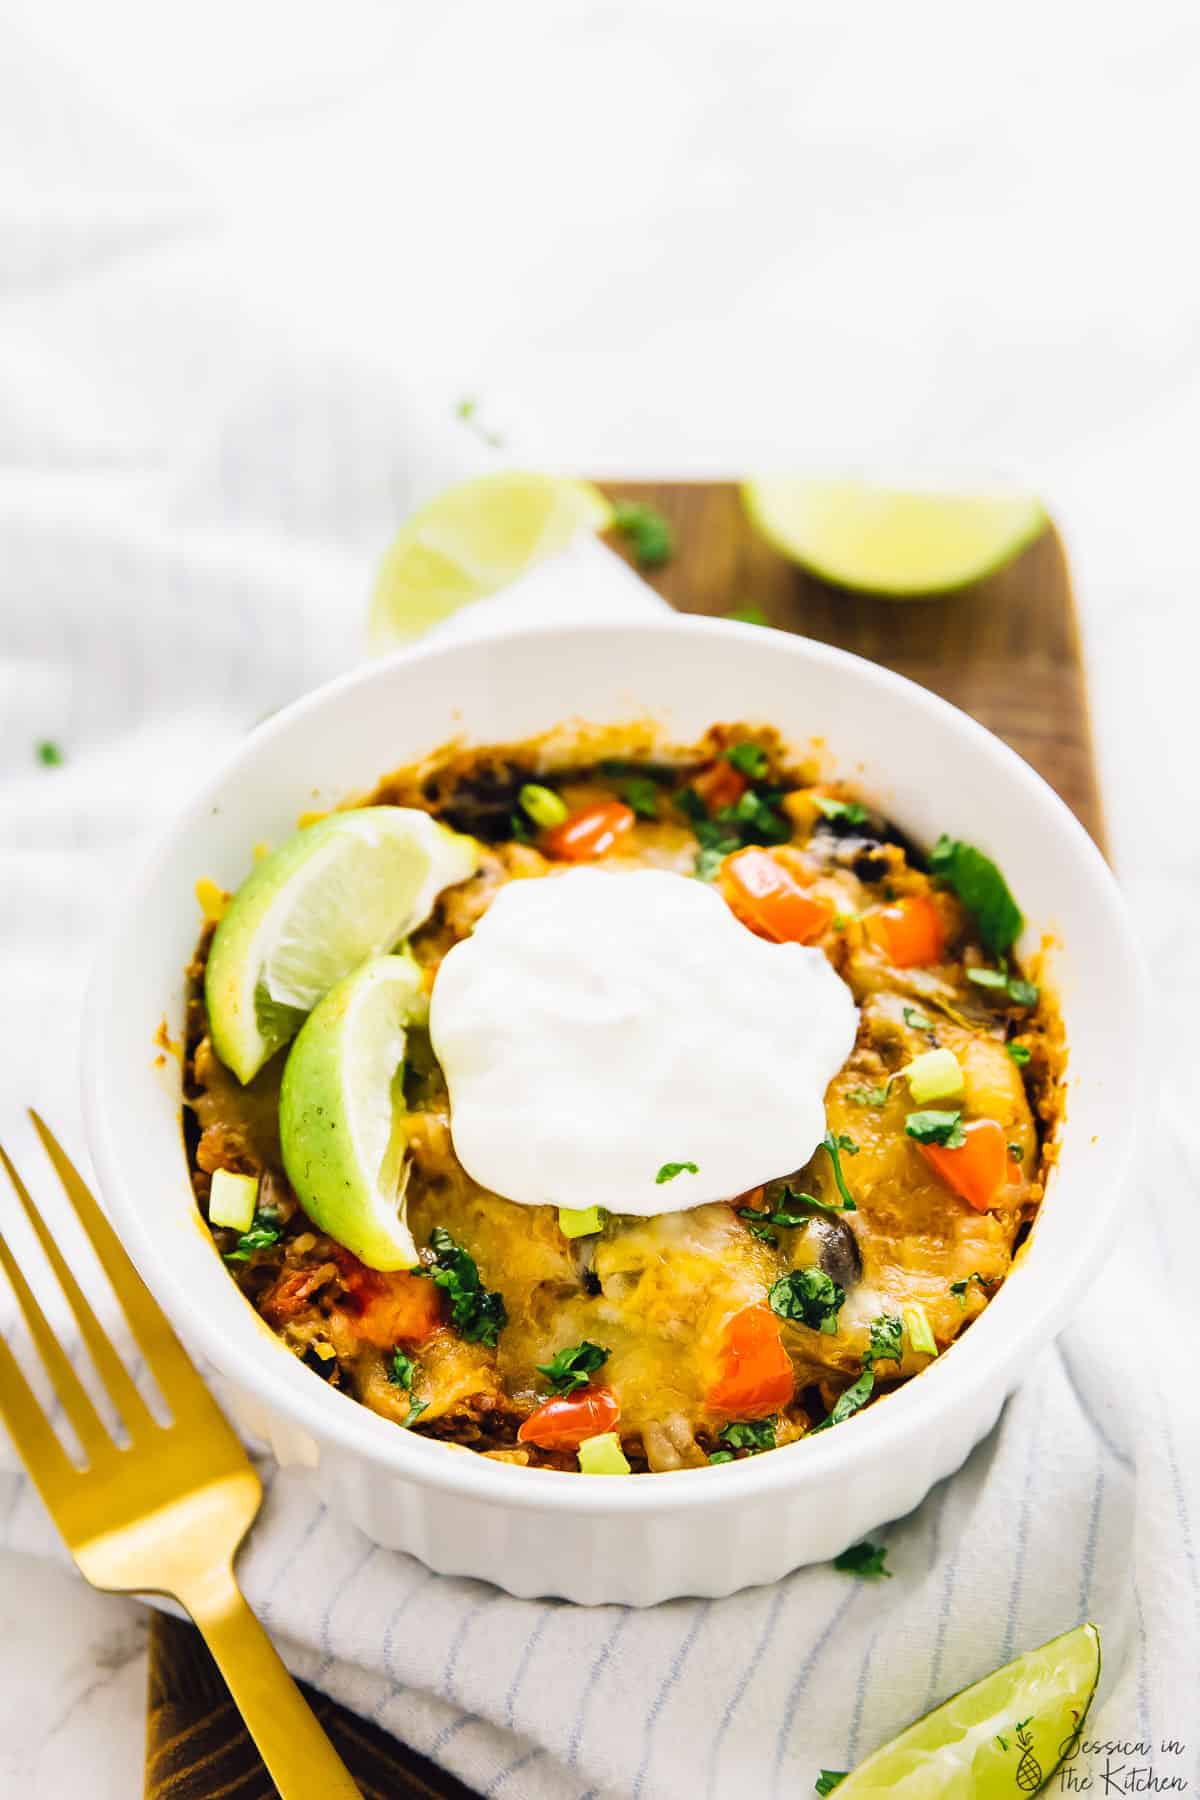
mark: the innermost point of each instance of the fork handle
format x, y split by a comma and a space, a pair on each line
299, 1757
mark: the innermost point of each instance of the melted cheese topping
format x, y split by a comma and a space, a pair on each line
600, 1026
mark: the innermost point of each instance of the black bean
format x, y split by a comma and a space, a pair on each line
837, 1253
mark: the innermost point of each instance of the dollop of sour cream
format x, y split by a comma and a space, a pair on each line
598, 1027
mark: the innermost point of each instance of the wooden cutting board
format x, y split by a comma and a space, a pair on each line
1008, 653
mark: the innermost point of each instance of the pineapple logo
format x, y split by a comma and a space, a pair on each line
1029, 1769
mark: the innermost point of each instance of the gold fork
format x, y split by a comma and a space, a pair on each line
166, 1514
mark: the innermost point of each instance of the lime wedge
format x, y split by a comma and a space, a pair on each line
888, 541
472, 540
328, 898
1003, 1737
341, 1111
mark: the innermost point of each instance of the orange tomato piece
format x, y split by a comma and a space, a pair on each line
720, 785
978, 1168
590, 832
563, 1422
756, 1376
909, 933
769, 899
389, 1309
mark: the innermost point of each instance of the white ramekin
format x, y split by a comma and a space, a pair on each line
705, 1531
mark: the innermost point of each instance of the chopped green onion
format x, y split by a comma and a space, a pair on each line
603, 1455
581, 1221
920, 1333
1019, 1053
546, 808
853, 811
232, 1200
935, 1075
988, 978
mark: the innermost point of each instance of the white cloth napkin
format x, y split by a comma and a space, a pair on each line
190, 507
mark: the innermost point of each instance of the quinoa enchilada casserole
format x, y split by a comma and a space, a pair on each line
641, 1114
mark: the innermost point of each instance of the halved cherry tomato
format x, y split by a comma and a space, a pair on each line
770, 900
389, 1309
909, 933
720, 785
978, 1169
756, 1376
590, 832
564, 1422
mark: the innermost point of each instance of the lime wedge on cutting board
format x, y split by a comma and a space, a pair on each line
472, 540
332, 895
883, 540
1001, 1738
341, 1111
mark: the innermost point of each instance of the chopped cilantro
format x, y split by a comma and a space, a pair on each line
1019, 991
477, 1313
855, 1396
887, 1336
828, 1779
852, 811
467, 411
748, 615
264, 1232
720, 1456
808, 1297
570, 1368
760, 1220
749, 1434
936, 1128
518, 825
669, 1171
642, 794
887, 1340
1017, 1152
982, 889
708, 861
49, 754
1019, 1053
864, 1560
835, 1146
916, 1021
749, 759
876, 1096
645, 530
401, 1369
959, 1288
754, 819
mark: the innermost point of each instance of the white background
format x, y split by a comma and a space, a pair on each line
652, 237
